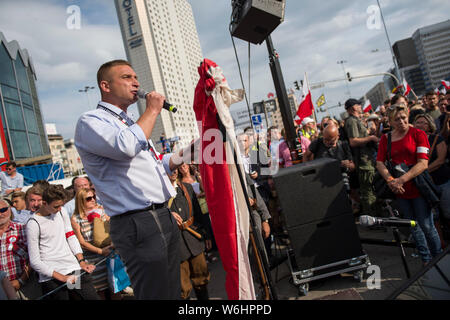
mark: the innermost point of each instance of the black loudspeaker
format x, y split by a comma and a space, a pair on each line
430, 283
312, 191
254, 20
318, 214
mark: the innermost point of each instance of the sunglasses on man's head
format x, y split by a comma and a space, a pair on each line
90, 198
4, 209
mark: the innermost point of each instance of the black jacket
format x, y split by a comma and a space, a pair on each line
190, 245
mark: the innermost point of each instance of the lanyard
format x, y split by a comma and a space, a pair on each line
118, 116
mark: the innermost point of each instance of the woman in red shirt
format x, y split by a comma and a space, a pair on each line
410, 146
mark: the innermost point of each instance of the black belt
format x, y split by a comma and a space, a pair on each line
154, 206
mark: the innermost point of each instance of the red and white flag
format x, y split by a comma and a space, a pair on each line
225, 197
406, 88
446, 84
367, 106
437, 91
306, 107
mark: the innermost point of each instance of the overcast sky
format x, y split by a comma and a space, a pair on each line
313, 37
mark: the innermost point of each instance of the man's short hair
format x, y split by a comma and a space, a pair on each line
103, 70
54, 193
18, 194
397, 97
11, 164
41, 183
387, 101
37, 190
430, 93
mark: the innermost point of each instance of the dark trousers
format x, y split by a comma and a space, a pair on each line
86, 291
148, 243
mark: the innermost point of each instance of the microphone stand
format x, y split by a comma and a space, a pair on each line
398, 241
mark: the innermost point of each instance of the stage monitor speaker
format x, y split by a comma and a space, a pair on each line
325, 242
311, 191
430, 283
254, 20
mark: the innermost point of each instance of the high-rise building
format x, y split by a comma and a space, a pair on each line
408, 63
161, 43
377, 95
433, 51
23, 128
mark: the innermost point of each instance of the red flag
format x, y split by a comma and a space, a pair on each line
446, 84
406, 88
306, 107
367, 106
224, 194
270, 95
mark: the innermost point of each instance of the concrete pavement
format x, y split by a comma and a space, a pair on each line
342, 287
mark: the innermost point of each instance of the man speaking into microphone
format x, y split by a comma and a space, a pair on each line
131, 179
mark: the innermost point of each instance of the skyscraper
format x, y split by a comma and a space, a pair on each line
23, 128
433, 51
408, 62
162, 44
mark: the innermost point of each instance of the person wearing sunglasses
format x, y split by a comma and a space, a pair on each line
410, 147
82, 223
14, 256
55, 252
11, 179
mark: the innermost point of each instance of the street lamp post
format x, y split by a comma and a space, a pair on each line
345, 75
86, 89
397, 71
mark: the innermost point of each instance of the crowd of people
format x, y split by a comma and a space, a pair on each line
49, 228
155, 204
418, 132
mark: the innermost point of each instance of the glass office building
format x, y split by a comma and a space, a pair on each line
23, 128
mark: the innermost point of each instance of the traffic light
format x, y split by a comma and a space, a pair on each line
296, 85
349, 77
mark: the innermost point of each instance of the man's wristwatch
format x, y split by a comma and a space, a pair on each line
81, 260
267, 220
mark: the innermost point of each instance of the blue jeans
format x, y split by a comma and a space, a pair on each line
425, 234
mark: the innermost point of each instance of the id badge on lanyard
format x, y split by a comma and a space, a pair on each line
121, 119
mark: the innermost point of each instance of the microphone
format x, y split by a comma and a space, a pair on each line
169, 107
368, 221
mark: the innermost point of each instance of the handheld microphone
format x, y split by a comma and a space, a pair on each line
368, 221
169, 107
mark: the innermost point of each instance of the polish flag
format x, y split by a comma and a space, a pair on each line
406, 88
367, 106
306, 107
446, 84
225, 197
437, 91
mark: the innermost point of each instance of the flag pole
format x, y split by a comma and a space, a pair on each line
309, 90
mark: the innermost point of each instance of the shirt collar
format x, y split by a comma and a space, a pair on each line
111, 107
12, 226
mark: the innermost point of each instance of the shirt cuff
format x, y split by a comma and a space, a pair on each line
140, 136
